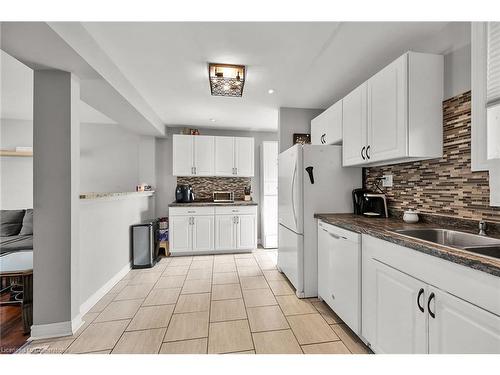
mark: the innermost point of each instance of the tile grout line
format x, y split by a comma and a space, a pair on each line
246, 309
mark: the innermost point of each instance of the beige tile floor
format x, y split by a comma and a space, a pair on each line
207, 304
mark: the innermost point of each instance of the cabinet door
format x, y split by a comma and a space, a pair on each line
324, 247
244, 156
392, 320
204, 155
326, 129
246, 232
460, 327
387, 112
203, 233
354, 127
225, 232
182, 158
224, 156
180, 233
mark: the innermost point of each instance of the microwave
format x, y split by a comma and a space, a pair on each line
223, 196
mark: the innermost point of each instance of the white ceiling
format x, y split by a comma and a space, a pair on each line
17, 94
310, 65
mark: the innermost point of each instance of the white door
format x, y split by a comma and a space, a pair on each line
393, 322
180, 233
204, 155
182, 158
203, 233
387, 112
324, 273
225, 232
290, 189
459, 327
269, 218
354, 127
246, 232
224, 156
244, 156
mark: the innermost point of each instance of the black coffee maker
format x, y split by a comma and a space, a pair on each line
369, 203
184, 194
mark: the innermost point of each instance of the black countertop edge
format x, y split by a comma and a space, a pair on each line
384, 230
213, 204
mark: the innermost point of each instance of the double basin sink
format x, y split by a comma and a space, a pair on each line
473, 243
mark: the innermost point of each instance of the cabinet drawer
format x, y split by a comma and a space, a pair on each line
231, 210
190, 211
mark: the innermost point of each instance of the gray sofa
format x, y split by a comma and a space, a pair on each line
16, 230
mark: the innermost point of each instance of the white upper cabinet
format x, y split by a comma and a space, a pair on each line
326, 129
387, 120
399, 116
204, 155
182, 158
201, 155
354, 127
224, 156
244, 157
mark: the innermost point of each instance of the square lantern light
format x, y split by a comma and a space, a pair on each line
226, 79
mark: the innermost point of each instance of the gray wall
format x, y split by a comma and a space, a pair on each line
294, 120
457, 72
112, 159
166, 182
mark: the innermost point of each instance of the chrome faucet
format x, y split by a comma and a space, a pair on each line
482, 228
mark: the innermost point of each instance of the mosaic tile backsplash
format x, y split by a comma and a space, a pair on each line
204, 186
445, 186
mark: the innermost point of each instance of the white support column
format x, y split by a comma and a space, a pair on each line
56, 174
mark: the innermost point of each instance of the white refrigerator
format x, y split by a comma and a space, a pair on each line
326, 189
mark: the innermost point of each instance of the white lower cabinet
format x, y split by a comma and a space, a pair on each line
461, 327
417, 303
393, 323
209, 229
203, 233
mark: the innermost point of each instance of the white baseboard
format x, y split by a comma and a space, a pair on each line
68, 328
94, 298
45, 331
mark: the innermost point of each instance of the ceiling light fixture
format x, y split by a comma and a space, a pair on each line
270, 91
212, 120
226, 79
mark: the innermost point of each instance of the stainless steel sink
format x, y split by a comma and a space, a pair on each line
466, 241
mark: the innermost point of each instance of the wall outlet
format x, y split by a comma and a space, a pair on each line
387, 180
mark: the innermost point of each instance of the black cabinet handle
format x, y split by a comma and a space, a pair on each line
420, 292
323, 141
367, 154
362, 151
431, 297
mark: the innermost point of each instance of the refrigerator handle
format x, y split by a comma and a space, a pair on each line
311, 175
293, 194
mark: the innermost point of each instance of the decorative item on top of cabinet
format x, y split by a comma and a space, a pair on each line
326, 129
301, 138
396, 115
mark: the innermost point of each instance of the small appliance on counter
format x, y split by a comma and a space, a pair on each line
223, 196
248, 192
184, 194
369, 203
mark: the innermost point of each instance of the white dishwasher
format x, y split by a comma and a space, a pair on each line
339, 272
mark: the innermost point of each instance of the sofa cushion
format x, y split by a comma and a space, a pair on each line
11, 222
15, 243
27, 228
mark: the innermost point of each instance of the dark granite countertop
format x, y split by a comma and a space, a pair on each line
213, 204
384, 229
